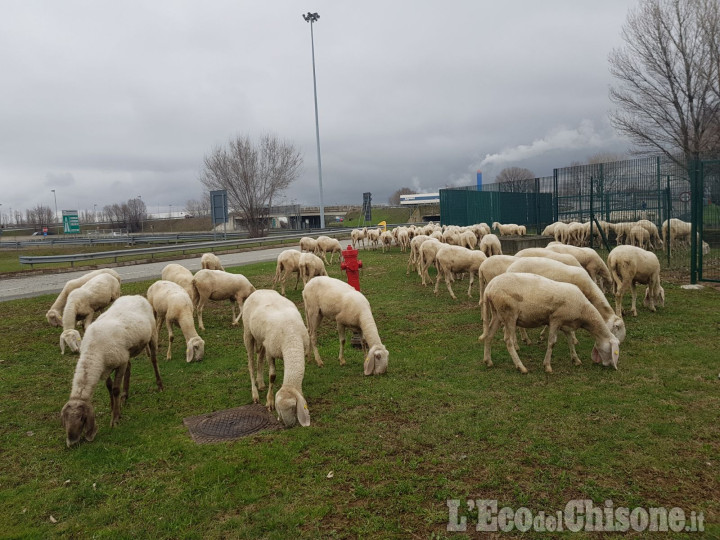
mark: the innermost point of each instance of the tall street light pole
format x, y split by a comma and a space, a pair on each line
55, 197
312, 18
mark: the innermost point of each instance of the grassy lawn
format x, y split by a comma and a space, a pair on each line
438, 426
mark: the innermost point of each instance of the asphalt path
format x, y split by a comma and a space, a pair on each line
37, 285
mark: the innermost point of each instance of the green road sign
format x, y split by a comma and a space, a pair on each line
71, 222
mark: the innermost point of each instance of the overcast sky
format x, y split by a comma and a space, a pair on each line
104, 101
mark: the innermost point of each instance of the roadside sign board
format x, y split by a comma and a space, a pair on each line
219, 206
685, 196
71, 222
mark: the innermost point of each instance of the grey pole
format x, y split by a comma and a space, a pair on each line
56, 215
312, 18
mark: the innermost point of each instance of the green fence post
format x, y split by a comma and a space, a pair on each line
668, 213
694, 173
592, 214
555, 195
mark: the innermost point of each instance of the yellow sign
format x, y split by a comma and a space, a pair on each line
383, 225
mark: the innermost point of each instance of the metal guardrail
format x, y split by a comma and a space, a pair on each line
181, 247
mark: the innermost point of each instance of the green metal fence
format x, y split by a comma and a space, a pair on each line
653, 188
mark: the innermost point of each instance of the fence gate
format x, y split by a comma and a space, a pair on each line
705, 216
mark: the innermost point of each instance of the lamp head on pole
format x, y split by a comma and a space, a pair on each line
311, 17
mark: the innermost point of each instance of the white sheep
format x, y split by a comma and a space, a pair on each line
273, 327
373, 236
414, 259
308, 244
125, 330
330, 297
468, 239
287, 261
403, 238
638, 237
677, 232
490, 245
530, 301
655, 240
219, 285
630, 265
210, 261
428, 249
310, 265
84, 302
182, 276
386, 238
456, 259
558, 271
590, 261
172, 304
326, 244
357, 236
54, 314
490, 268
549, 254
510, 229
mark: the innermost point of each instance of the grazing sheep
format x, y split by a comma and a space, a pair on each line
456, 259
630, 265
468, 239
273, 327
288, 261
549, 254
655, 240
403, 238
326, 244
330, 297
125, 330
428, 249
590, 261
558, 271
490, 268
530, 301
490, 245
677, 232
219, 285
373, 236
386, 238
451, 237
561, 232
83, 302
308, 244
172, 305
311, 265
639, 237
182, 276
54, 314
210, 261
414, 259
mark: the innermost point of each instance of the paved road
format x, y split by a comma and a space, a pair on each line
27, 287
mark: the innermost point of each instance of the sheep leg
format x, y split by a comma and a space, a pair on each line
572, 341
472, 279
437, 281
448, 280
488, 334
297, 279
171, 337
199, 309
270, 401
250, 348
633, 308
552, 338
282, 283
152, 352
116, 393
88, 319
341, 334
235, 319
314, 318
524, 335
260, 368
126, 385
510, 341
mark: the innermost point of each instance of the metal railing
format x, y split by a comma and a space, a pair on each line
178, 247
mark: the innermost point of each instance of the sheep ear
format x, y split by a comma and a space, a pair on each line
615, 356
90, 427
596, 355
301, 408
189, 353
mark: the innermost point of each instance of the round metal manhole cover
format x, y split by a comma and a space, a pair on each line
230, 424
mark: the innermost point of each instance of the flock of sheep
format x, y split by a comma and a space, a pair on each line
561, 286
272, 328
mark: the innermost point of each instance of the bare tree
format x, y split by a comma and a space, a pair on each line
667, 78
199, 208
40, 216
253, 173
516, 180
395, 197
129, 215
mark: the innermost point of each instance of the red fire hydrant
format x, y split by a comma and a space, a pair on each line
351, 264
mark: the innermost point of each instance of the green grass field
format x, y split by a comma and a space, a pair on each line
439, 425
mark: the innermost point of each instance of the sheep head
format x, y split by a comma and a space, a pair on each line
652, 300
292, 407
195, 349
72, 339
53, 317
77, 417
376, 361
607, 352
